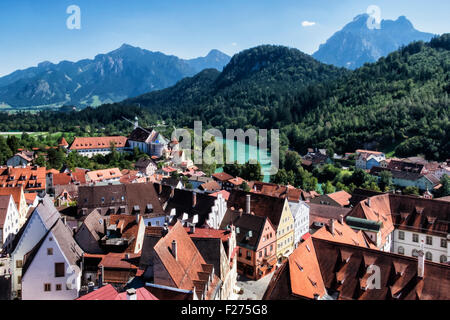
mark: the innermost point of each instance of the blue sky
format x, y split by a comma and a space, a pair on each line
32, 31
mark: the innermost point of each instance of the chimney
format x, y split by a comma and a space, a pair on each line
64, 220
194, 199
160, 188
247, 204
192, 228
127, 256
174, 249
131, 294
172, 192
332, 226
368, 202
138, 216
341, 219
240, 212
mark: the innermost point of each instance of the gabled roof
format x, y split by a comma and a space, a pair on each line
104, 293
182, 202
405, 212
343, 233
298, 276
143, 163
30, 178
4, 206
141, 135
261, 205
270, 189
341, 197
83, 143
188, 269
134, 194
104, 174
325, 267
222, 176
210, 186
323, 213
64, 237
225, 194
14, 192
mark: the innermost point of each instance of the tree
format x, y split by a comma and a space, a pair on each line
5, 151
55, 158
233, 169
411, 191
292, 161
252, 172
328, 188
444, 190
13, 143
245, 187
386, 180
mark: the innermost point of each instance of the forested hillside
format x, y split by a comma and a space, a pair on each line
401, 101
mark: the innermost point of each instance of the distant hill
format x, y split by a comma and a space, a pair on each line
400, 103
255, 81
356, 44
126, 72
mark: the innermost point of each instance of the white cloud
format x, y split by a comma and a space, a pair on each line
308, 23
234, 44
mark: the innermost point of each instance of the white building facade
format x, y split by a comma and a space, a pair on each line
408, 243
39, 223
9, 227
300, 212
52, 275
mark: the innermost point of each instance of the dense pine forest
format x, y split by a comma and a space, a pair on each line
400, 103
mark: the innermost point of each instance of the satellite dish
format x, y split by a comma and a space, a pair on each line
195, 220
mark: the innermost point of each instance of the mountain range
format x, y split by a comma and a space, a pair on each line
126, 72
399, 103
357, 44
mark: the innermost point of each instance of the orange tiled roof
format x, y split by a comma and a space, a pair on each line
225, 194
30, 197
304, 270
98, 142
188, 269
341, 197
237, 181
343, 234
17, 177
15, 192
105, 174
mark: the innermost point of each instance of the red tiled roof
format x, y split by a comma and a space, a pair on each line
225, 194
341, 197
15, 192
222, 176
12, 177
105, 174
30, 197
141, 294
60, 179
98, 142
189, 269
224, 235
237, 181
104, 293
